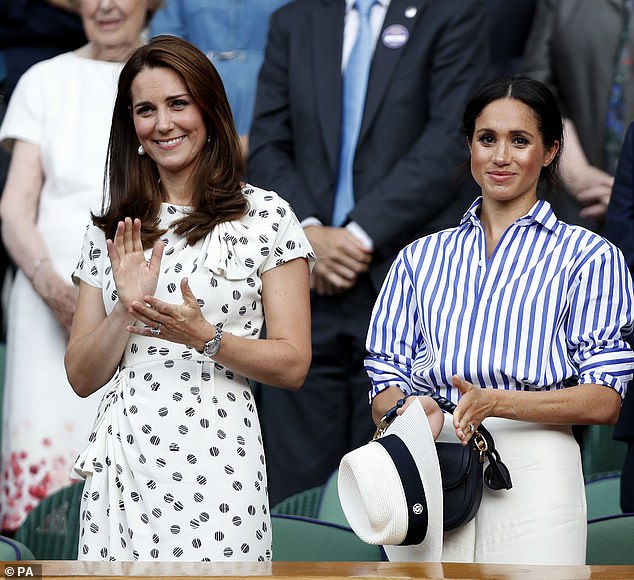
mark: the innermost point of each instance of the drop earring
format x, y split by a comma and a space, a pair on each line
140, 150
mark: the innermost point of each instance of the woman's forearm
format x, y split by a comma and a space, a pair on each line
19, 208
384, 401
24, 244
586, 404
275, 362
282, 359
93, 357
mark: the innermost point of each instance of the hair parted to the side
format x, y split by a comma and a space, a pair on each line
535, 95
131, 182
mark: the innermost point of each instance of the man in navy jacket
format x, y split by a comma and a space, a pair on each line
429, 57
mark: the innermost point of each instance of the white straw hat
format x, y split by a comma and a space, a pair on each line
391, 491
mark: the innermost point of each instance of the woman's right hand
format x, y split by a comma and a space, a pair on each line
62, 300
434, 413
133, 275
59, 296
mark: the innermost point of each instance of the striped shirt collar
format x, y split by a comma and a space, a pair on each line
541, 213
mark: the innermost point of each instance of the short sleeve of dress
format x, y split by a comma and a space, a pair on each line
290, 240
90, 268
24, 117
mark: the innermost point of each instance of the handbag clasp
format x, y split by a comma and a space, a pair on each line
481, 443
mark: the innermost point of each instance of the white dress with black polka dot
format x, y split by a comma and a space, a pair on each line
175, 467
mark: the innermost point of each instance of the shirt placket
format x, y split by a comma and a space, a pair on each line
486, 272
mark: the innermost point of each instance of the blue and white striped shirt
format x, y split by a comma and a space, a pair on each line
547, 310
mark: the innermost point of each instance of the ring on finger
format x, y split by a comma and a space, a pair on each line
471, 428
156, 331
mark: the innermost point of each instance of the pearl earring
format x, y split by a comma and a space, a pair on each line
140, 150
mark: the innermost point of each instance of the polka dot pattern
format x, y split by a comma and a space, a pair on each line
174, 467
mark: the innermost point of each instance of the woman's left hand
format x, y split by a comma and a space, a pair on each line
475, 405
181, 323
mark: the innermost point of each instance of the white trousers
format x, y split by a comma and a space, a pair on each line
542, 519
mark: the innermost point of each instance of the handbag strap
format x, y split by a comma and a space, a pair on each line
496, 475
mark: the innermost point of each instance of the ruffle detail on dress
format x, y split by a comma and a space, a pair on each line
88, 460
236, 250
228, 251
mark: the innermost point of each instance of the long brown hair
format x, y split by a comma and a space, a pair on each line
131, 182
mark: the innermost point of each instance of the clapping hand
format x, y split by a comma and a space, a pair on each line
182, 323
133, 275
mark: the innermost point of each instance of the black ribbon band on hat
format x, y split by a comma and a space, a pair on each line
412, 486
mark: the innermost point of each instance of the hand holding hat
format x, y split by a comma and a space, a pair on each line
391, 491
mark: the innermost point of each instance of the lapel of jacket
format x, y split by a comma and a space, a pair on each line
327, 46
398, 19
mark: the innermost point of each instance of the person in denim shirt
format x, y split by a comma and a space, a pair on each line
232, 33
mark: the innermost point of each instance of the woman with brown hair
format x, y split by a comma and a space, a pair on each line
176, 276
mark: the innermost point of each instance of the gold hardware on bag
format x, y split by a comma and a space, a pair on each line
387, 419
481, 444
381, 428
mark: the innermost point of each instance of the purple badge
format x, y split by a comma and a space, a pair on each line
395, 36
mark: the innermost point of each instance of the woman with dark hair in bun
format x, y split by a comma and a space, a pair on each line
519, 319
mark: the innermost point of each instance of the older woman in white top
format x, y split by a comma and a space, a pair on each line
57, 126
